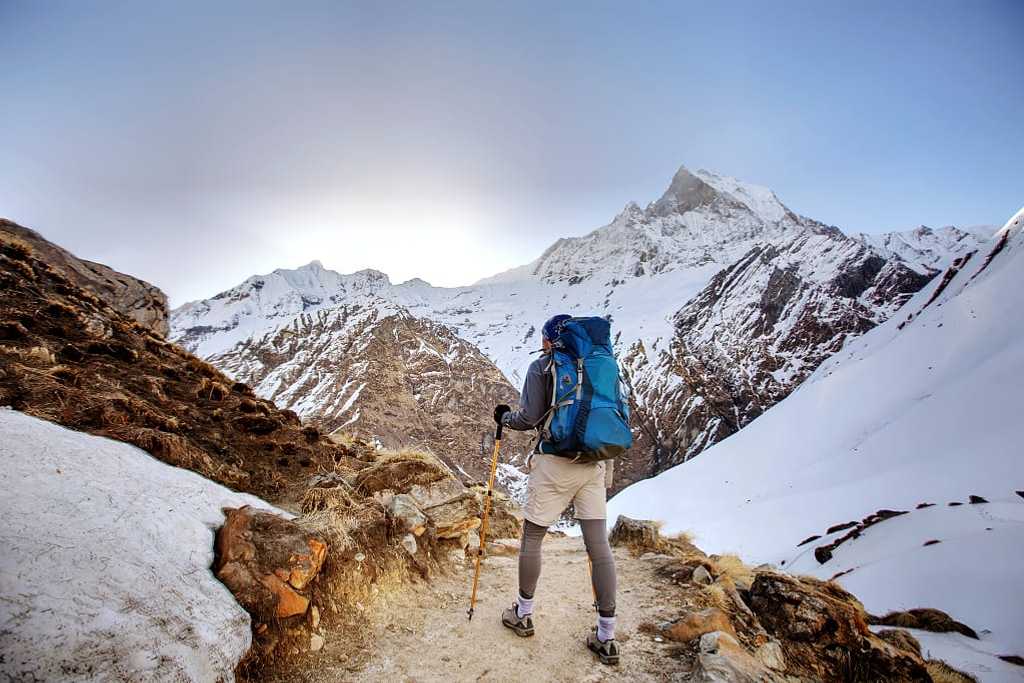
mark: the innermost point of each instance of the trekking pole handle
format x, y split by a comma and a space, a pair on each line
497, 432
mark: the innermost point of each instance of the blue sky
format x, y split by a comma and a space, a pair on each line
194, 145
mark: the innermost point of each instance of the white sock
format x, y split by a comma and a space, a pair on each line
524, 607
605, 628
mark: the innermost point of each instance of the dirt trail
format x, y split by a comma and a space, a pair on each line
425, 635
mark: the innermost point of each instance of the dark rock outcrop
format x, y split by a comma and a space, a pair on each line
128, 295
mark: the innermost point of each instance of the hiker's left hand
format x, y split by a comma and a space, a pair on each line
499, 412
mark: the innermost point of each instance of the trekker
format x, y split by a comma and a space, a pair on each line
555, 480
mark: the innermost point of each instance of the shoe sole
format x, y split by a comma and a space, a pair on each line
610, 660
518, 630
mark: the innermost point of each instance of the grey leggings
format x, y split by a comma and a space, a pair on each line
595, 537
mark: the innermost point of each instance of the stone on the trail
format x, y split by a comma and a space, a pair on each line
696, 624
635, 533
403, 508
314, 617
316, 642
266, 561
723, 660
701, 576
409, 543
455, 517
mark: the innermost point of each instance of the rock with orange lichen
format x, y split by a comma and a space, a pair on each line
268, 562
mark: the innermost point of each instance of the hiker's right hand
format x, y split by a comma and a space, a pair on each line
499, 412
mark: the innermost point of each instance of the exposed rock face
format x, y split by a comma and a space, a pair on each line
267, 562
130, 296
758, 329
824, 632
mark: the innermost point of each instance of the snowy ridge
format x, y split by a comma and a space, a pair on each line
924, 249
921, 409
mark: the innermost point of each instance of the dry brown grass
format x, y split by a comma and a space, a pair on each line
732, 567
926, 619
944, 673
321, 499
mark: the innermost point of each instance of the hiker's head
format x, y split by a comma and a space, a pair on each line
552, 328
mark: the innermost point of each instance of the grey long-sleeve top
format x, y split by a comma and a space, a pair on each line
535, 399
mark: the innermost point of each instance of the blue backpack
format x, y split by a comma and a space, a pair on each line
588, 419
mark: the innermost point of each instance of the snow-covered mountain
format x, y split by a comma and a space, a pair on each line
923, 409
925, 249
804, 288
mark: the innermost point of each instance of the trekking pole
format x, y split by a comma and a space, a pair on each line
483, 518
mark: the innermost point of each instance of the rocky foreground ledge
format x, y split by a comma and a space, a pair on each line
739, 623
361, 536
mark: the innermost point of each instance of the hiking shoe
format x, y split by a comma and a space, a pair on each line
522, 626
606, 650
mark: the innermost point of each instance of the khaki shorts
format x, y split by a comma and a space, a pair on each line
556, 481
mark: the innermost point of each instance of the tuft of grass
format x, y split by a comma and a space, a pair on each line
732, 567
323, 499
941, 672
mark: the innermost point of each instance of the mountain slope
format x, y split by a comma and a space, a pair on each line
925, 249
921, 409
379, 372
752, 335
69, 357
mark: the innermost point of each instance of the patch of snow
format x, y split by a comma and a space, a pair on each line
105, 571
980, 658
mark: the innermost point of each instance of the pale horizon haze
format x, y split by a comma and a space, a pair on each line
195, 144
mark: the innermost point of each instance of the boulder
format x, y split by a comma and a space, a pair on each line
635, 533
455, 517
403, 509
701, 576
267, 562
437, 492
722, 659
502, 521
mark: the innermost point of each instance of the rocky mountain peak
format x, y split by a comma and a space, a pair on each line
685, 193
